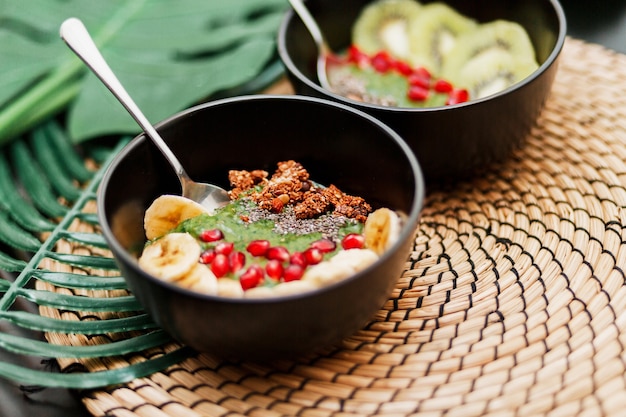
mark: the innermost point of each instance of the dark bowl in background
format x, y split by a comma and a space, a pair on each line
337, 144
452, 141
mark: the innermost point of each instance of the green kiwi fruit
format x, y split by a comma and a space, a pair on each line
491, 72
433, 34
384, 25
500, 35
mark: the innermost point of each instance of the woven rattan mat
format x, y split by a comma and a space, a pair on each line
513, 301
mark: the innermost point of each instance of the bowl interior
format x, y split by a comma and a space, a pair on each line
336, 144
543, 20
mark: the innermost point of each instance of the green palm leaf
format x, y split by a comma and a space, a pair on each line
36, 322
94, 379
168, 54
109, 312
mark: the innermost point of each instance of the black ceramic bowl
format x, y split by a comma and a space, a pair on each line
450, 142
337, 144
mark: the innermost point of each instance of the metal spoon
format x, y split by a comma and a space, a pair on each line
76, 36
323, 50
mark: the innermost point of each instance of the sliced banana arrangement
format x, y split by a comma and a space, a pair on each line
235, 252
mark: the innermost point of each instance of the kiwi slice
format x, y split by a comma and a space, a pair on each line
490, 40
384, 25
491, 72
433, 34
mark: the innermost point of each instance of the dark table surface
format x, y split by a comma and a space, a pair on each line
602, 22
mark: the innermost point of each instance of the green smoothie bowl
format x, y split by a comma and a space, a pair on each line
268, 151
463, 82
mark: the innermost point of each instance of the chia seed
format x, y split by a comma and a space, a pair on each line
286, 222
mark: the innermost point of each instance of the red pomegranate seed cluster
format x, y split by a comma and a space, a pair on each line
421, 82
280, 265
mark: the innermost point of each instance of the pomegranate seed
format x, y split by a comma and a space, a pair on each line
457, 96
417, 93
403, 68
332, 59
207, 256
353, 241
442, 86
258, 247
211, 235
252, 277
313, 256
274, 269
293, 272
224, 247
298, 258
357, 57
325, 245
422, 72
418, 81
236, 260
220, 265
353, 51
280, 253
382, 62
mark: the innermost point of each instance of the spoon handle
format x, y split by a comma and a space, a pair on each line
316, 33
76, 36
309, 22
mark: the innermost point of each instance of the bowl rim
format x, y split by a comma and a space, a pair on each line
549, 61
119, 251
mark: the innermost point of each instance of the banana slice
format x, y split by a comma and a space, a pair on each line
167, 211
326, 273
260, 292
171, 257
293, 287
381, 230
201, 279
356, 259
340, 266
227, 287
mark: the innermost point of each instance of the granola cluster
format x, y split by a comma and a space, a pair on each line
290, 185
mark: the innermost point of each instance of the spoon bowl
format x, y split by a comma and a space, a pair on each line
76, 36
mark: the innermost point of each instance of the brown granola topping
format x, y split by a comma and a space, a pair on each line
290, 185
347, 205
313, 204
242, 181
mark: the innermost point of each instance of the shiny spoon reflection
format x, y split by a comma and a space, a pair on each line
76, 36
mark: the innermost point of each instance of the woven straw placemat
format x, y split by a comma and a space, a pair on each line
513, 301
